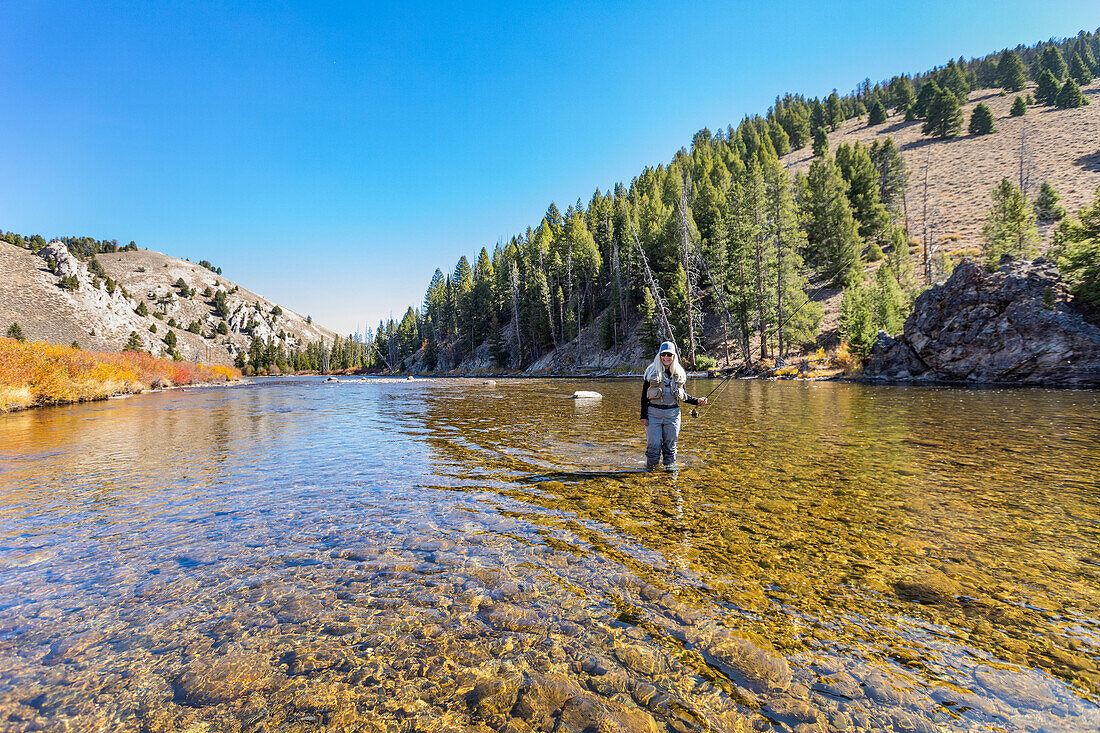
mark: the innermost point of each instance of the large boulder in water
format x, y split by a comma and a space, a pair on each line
1012, 326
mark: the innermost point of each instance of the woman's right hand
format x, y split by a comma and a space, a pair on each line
645, 422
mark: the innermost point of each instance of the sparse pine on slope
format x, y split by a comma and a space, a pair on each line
981, 120
1010, 225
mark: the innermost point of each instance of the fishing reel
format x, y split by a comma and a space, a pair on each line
694, 412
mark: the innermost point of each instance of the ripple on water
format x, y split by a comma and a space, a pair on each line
397, 557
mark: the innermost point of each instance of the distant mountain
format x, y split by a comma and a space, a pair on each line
99, 301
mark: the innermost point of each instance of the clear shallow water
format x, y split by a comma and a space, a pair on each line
433, 556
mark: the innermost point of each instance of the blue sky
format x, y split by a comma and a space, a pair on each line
331, 155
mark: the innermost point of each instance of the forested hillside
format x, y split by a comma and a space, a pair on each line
741, 236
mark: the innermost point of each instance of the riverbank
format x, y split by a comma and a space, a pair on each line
40, 374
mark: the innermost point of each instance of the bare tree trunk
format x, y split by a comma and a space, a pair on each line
760, 317
513, 281
1023, 158
779, 268
925, 229
686, 252
745, 333
662, 308
569, 292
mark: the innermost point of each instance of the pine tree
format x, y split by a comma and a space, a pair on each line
1081, 48
944, 117
1010, 72
1010, 225
985, 76
1070, 96
854, 162
1077, 250
1052, 60
482, 297
1019, 107
821, 142
462, 283
834, 115
877, 114
797, 319
1048, 89
889, 304
867, 308
855, 320
928, 91
981, 120
15, 332
133, 343
833, 243
892, 176
498, 344
142, 309
901, 93
781, 141
1046, 205
952, 77
898, 259
1079, 71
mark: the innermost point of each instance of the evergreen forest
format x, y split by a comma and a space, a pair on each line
722, 248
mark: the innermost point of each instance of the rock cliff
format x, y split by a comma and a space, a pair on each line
1013, 326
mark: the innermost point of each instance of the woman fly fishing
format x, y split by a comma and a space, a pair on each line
662, 393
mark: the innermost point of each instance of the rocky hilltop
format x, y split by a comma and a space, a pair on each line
1014, 326
55, 297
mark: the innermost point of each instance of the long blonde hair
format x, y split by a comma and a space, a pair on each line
657, 369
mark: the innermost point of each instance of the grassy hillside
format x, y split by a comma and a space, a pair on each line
31, 295
1060, 145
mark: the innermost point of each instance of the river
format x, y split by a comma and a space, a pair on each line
456, 555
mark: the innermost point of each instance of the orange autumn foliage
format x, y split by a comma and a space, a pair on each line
33, 374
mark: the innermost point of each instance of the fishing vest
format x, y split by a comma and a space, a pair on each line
657, 383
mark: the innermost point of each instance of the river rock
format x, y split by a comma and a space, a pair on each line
219, 679
1012, 326
74, 646
927, 586
791, 711
583, 394
298, 610
640, 659
495, 696
743, 660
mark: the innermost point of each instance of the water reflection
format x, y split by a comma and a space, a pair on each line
456, 555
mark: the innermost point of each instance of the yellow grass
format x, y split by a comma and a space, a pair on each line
33, 374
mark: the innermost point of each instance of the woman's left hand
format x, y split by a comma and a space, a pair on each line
702, 400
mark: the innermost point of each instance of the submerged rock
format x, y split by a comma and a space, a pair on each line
583, 394
1012, 326
211, 681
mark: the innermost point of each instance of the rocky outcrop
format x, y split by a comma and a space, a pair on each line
1011, 326
57, 297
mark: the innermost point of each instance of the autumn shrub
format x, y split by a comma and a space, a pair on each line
44, 374
847, 359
